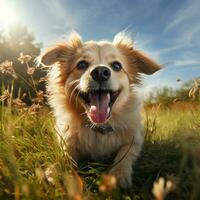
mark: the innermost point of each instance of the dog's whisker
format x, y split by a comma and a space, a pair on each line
69, 88
92, 125
77, 97
77, 80
83, 113
72, 93
71, 84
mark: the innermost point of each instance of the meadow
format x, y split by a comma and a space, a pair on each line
168, 168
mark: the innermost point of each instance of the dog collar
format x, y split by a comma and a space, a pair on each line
103, 129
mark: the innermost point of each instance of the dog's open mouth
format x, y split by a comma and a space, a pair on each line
99, 104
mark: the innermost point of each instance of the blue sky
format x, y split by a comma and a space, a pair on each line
168, 30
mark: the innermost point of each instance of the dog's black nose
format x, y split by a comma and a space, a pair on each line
101, 74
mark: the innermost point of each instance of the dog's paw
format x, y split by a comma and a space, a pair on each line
123, 176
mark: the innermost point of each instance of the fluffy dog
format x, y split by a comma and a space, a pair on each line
91, 86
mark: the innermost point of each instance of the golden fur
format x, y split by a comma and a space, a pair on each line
64, 79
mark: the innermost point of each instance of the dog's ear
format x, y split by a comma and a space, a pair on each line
53, 54
144, 64
61, 52
135, 58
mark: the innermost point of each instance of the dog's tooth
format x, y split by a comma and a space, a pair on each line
108, 110
108, 95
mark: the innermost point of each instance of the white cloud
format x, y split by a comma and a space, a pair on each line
186, 62
170, 48
63, 14
189, 11
185, 23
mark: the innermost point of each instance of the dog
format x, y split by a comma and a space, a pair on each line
92, 93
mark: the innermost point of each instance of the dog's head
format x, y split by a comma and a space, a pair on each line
97, 75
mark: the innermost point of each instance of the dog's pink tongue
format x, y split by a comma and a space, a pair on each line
99, 107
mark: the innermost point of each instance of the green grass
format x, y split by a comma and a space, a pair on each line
28, 146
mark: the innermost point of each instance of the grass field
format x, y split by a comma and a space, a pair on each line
171, 151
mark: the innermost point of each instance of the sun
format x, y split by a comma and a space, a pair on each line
8, 15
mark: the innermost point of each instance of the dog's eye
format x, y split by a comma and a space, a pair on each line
116, 66
82, 65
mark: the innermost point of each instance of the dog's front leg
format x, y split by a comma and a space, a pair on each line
124, 160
